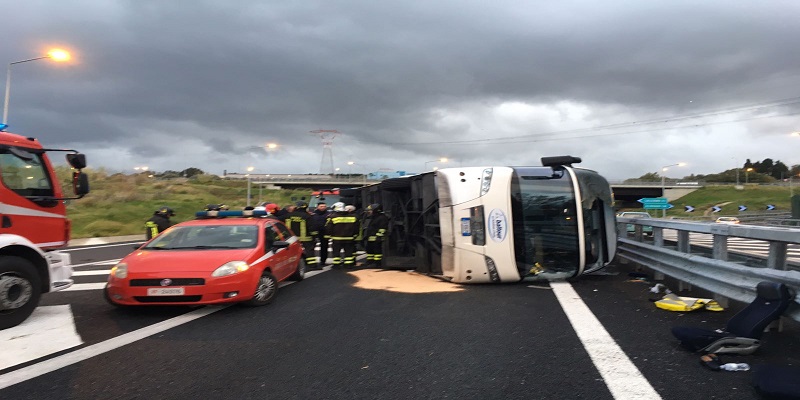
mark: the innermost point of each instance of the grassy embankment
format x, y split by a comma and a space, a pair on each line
120, 204
755, 197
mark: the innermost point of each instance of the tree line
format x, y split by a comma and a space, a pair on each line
765, 171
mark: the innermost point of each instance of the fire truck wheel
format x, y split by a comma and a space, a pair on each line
20, 289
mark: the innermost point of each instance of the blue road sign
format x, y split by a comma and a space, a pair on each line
770, 207
689, 208
653, 200
742, 208
655, 203
715, 209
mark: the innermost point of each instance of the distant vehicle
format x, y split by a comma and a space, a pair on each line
209, 261
631, 228
326, 196
728, 220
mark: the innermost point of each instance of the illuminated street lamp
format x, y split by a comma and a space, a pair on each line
663, 186
249, 170
441, 160
747, 175
55, 54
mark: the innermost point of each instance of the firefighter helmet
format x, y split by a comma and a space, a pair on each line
338, 206
375, 208
166, 211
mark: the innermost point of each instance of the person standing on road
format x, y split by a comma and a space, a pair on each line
375, 231
159, 222
317, 225
343, 227
299, 222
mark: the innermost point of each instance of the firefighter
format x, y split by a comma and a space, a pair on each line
159, 222
317, 224
342, 227
299, 222
375, 231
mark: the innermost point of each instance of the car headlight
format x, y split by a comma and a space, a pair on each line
230, 268
120, 271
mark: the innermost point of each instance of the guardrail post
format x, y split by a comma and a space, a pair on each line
684, 246
683, 242
777, 256
720, 249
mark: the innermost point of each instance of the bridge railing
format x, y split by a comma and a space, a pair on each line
717, 268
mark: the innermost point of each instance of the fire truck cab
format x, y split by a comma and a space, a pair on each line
33, 224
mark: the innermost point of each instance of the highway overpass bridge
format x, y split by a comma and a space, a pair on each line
626, 193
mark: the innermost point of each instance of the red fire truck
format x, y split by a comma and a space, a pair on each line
33, 223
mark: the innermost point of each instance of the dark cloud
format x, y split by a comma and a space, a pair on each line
199, 83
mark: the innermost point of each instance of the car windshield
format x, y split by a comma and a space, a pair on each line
201, 237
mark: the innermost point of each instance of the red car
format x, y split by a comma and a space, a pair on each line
209, 261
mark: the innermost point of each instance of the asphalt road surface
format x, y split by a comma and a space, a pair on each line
373, 334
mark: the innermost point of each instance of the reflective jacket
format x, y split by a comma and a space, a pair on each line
156, 224
376, 229
342, 226
298, 221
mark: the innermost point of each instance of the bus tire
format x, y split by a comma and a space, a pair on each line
20, 290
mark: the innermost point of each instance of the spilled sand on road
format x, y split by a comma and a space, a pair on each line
401, 282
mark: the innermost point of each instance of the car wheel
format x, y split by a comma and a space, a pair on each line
300, 273
266, 290
20, 290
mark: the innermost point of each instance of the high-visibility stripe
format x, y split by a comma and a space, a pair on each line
341, 237
339, 220
8, 209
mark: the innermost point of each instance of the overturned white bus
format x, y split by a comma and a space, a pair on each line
497, 224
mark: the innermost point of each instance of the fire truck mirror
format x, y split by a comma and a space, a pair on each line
80, 183
77, 160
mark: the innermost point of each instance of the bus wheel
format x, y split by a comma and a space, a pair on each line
20, 290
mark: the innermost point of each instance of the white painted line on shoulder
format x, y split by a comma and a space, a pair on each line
48, 330
85, 286
53, 364
102, 246
623, 379
92, 272
104, 262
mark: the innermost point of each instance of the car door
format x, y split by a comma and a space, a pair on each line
279, 263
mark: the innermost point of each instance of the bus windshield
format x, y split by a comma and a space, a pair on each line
545, 223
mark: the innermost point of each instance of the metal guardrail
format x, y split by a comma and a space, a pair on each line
718, 274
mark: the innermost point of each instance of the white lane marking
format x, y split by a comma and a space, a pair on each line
104, 262
53, 364
104, 246
623, 379
85, 286
48, 330
92, 272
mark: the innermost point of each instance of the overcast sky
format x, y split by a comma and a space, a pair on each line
629, 86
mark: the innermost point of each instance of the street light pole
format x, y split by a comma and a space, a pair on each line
249, 170
58, 55
663, 185
441, 160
